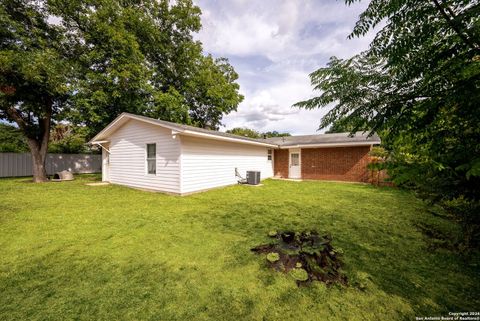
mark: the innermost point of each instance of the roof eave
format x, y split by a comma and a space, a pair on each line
100, 135
93, 142
228, 139
104, 132
347, 144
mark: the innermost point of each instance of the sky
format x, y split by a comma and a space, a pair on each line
274, 45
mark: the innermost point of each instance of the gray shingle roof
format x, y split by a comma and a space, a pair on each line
320, 139
337, 138
181, 127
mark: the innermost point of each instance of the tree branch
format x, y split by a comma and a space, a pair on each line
453, 24
13, 113
44, 124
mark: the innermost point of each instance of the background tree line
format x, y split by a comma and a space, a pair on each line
64, 138
252, 133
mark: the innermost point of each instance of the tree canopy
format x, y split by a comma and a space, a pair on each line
276, 134
141, 58
419, 84
243, 131
346, 125
247, 132
85, 62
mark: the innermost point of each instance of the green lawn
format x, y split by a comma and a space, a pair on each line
76, 252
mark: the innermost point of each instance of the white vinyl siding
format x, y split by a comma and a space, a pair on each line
208, 163
127, 161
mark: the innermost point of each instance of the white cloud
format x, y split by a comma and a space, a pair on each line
274, 45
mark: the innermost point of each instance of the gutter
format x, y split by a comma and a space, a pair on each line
176, 131
329, 145
187, 132
224, 138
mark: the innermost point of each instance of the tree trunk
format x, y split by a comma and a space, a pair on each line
39, 148
37, 140
38, 161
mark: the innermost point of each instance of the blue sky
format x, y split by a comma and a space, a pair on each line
273, 46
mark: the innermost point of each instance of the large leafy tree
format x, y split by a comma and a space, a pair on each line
419, 83
87, 61
346, 125
141, 58
213, 84
36, 68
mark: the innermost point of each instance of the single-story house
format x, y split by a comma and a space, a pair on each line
158, 155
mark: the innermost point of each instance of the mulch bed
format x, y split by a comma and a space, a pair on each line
306, 256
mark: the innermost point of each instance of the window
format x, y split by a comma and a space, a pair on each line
152, 159
269, 155
294, 159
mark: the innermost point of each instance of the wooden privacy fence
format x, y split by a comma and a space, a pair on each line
20, 164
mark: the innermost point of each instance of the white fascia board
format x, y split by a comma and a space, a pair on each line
227, 139
330, 145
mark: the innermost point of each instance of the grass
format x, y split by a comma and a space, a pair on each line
76, 252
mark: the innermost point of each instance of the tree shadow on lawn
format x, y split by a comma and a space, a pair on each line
8, 211
62, 285
65, 286
431, 281
399, 265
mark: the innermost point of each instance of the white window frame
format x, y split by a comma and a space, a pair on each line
149, 159
269, 155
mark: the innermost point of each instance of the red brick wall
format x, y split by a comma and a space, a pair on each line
336, 163
280, 163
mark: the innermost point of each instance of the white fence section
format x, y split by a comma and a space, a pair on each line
20, 164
